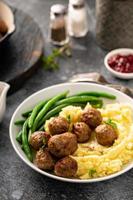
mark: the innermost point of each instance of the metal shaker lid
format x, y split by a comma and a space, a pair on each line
77, 2
58, 9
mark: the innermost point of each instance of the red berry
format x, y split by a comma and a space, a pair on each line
121, 63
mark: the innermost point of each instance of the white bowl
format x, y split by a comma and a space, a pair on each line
47, 93
123, 51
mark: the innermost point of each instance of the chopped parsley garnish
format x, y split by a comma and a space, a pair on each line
111, 123
44, 142
51, 62
69, 118
92, 171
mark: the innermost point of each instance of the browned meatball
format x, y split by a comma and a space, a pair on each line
44, 160
82, 131
38, 139
63, 144
66, 167
105, 134
92, 117
58, 125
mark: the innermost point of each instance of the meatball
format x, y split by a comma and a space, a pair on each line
82, 131
105, 134
38, 138
63, 144
44, 160
66, 167
92, 117
58, 125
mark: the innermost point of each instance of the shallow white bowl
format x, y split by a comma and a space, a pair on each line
123, 51
49, 92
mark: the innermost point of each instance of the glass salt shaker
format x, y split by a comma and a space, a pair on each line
58, 25
77, 18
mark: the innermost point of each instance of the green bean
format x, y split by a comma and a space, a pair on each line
34, 113
41, 128
25, 143
82, 105
19, 122
19, 137
52, 113
97, 104
79, 99
27, 113
56, 111
22, 147
46, 108
29, 135
97, 94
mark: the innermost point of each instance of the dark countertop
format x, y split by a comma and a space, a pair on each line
17, 180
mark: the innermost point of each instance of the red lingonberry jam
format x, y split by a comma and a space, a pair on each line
121, 63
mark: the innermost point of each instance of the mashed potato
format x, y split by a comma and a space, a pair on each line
95, 160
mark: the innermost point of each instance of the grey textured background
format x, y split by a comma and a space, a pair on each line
18, 181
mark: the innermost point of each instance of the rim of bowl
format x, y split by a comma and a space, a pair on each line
123, 51
128, 167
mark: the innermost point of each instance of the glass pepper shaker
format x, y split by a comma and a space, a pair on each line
58, 25
77, 18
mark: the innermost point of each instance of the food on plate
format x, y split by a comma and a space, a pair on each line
19, 122
92, 117
63, 144
38, 139
105, 134
82, 131
78, 136
44, 160
105, 160
66, 167
25, 143
121, 63
58, 125
47, 106
27, 113
33, 113
97, 94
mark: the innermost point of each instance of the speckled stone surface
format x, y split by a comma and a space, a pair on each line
17, 180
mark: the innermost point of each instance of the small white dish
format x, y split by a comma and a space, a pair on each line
49, 92
7, 16
122, 51
4, 87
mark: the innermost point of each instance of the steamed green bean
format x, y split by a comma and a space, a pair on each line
97, 94
46, 108
25, 143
